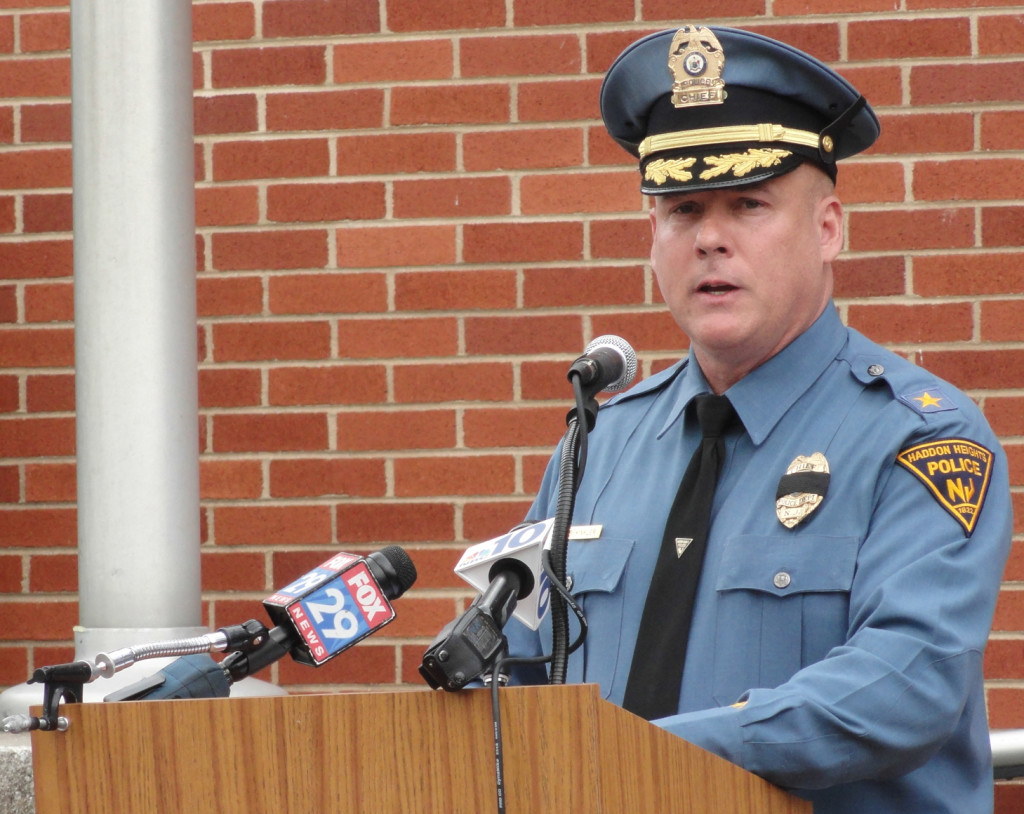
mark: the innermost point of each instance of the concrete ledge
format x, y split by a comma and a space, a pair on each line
17, 795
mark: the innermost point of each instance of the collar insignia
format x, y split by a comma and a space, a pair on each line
802, 489
956, 472
682, 543
930, 400
696, 60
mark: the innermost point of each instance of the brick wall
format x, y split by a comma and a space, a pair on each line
409, 220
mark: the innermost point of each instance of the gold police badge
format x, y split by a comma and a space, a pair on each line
696, 60
802, 489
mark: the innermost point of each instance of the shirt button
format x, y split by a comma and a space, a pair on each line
782, 580
876, 370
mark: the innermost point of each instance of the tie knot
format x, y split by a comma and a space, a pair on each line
715, 414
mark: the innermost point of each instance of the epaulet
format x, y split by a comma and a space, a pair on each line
652, 384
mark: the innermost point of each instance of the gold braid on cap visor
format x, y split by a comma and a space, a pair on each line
735, 133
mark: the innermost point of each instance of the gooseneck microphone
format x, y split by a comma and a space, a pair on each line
608, 364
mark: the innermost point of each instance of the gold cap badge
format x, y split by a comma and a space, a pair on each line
696, 60
802, 489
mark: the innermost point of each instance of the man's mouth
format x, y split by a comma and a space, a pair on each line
715, 288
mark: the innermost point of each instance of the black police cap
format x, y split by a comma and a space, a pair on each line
706, 106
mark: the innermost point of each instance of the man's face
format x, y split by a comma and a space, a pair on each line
745, 270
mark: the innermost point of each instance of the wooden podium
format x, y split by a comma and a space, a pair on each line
383, 753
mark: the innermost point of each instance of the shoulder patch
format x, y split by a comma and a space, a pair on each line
956, 472
930, 400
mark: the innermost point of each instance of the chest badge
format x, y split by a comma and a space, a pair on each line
802, 489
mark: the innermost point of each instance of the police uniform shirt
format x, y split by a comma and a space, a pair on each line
840, 657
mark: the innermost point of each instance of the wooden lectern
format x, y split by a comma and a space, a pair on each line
383, 753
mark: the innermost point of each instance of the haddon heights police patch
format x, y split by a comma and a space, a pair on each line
956, 471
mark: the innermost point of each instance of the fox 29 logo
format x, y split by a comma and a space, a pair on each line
340, 613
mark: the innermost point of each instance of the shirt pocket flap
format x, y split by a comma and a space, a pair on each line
597, 565
788, 564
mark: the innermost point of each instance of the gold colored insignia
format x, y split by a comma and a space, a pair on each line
956, 472
661, 169
696, 60
740, 164
794, 508
682, 543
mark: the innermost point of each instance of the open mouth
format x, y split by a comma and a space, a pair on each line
715, 288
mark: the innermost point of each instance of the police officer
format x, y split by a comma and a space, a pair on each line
861, 518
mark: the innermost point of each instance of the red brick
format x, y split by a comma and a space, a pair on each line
518, 242
45, 32
929, 37
419, 617
669, 9
1005, 708
543, 381
486, 520
907, 230
228, 113
588, 285
476, 475
35, 168
50, 393
1009, 797
328, 293
272, 432
385, 246
8, 304
523, 335
393, 61
521, 147
47, 213
1015, 460
464, 381
558, 100
23, 620
51, 573
909, 132
32, 78
272, 525
975, 82
285, 249
396, 153
1002, 321
1006, 415
23, 528
223, 21
958, 274
46, 123
799, 7
36, 347
541, 12
10, 484
455, 290
602, 150
258, 67
10, 573
1001, 34
233, 571
7, 125
298, 18
325, 110
310, 477
412, 429
515, 425
519, 55
229, 387
14, 666
533, 471
49, 302
455, 197
443, 15
1002, 225
50, 483
450, 104
871, 183
653, 329
870, 276
8, 216
229, 296
976, 369
373, 663
395, 522
7, 35
1002, 130
590, 192
629, 238
230, 480
1004, 658
279, 158
325, 202
248, 342
946, 322
336, 384
962, 179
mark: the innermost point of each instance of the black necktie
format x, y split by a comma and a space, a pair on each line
652, 690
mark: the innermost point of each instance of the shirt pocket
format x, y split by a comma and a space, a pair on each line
594, 574
782, 603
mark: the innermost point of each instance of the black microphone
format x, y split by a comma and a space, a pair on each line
608, 363
318, 616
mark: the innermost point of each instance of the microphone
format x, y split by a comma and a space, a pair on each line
318, 616
508, 571
608, 363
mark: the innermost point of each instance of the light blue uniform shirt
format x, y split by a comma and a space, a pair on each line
855, 638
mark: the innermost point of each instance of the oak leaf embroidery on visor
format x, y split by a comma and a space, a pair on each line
661, 169
740, 164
